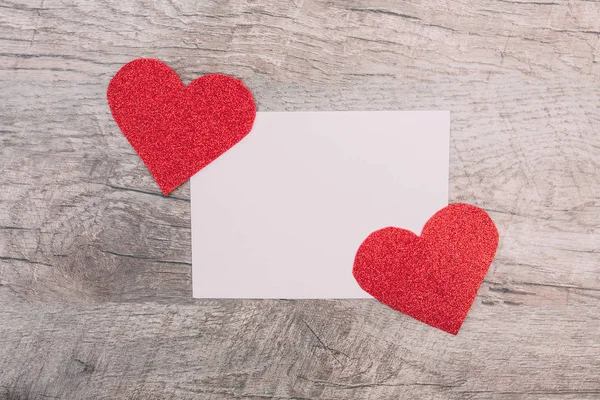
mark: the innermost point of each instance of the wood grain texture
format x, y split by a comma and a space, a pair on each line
95, 273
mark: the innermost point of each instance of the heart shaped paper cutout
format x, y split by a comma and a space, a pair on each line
177, 130
433, 277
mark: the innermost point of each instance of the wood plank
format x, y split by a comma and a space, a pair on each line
95, 273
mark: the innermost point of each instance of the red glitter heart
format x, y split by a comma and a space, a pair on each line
434, 277
177, 130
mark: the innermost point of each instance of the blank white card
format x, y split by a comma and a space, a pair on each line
282, 213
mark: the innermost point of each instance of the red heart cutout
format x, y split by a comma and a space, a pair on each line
177, 130
434, 277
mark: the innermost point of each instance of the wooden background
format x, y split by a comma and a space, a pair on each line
95, 282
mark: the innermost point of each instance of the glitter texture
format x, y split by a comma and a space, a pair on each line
434, 277
178, 130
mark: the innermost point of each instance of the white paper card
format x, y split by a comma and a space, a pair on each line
282, 213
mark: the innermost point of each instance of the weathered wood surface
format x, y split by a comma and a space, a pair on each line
95, 279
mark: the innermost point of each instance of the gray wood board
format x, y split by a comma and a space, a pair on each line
95, 273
